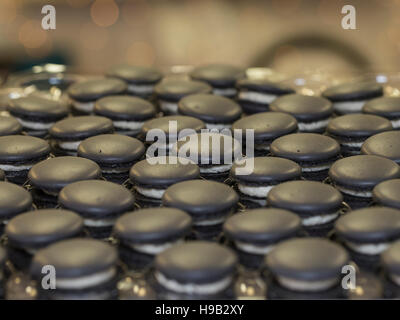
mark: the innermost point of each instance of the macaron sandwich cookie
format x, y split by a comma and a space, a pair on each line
351, 97
67, 134
391, 265
9, 126
127, 113
151, 177
317, 204
114, 153
387, 107
147, 232
352, 130
267, 172
356, 176
19, 153
221, 77
311, 266
195, 269
86, 269
48, 177
315, 153
83, 94
386, 193
254, 233
255, 95
385, 144
34, 230
98, 202
37, 114
312, 113
141, 80
266, 126
169, 92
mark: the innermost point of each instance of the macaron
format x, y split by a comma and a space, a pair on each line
351, 97
385, 144
20, 153
99, 203
315, 153
9, 126
386, 193
169, 92
83, 94
85, 269
217, 112
352, 130
196, 268
37, 114
307, 264
222, 77
356, 176
265, 173
127, 113
256, 232
266, 127
312, 113
14, 200
151, 177
48, 177
391, 263
67, 134
114, 153
317, 204
387, 107
255, 95
31, 231
140, 79
147, 232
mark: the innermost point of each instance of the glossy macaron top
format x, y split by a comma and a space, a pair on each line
153, 225
96, 198
391, 258
135, 74
384, 106
80, 127
218, 75
75, 257
200, 197
125, 108
263, 85
309, 259
37, 229
174, 90
363, 171
387, 193
9, 126
210, 108
305, 147
385, 144
262, 225
305, 197
353, 91
163, 171
55, 173
374, 224
89, 90
14, 199
303, 108
111, 148
196, 262
18, 148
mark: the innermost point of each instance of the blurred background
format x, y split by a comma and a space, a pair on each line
291, 36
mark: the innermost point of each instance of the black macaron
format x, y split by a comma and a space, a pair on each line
169, 92
114, 153
67, 134
315, 153
352, 130
255, 95
387, 107
83, 94
19, 153
100, 203
385, 144
356, 176
391, 264
13, 201
312, 113
85, 269
267, 127
386, 193
127, 113
351, 97
9, 126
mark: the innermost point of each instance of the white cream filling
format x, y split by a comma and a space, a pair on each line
115, 170
169, 107
218, 126
216, 169
316, 168
98, 222
303, 285
35, 125
69, 145
310, 126
9, 167
395, 278
362, 194
193, 288
153, 249
224, 91
368, 248
352, 144
210, 222
318, 220
85, 281
251, 248
257, 97
130, 125
150, 192
140, 88
349, 106
83, 106
255, 191
395, 123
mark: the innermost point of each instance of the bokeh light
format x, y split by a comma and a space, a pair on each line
104, 13
31, 34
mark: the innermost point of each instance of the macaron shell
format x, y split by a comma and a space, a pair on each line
263, 85
391, 258
387, 192
89, 90
9, 126
38, 106
218, 74
22, 148
135, 74
385, 144
353, 91
13, 199
383, 106
174, 90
